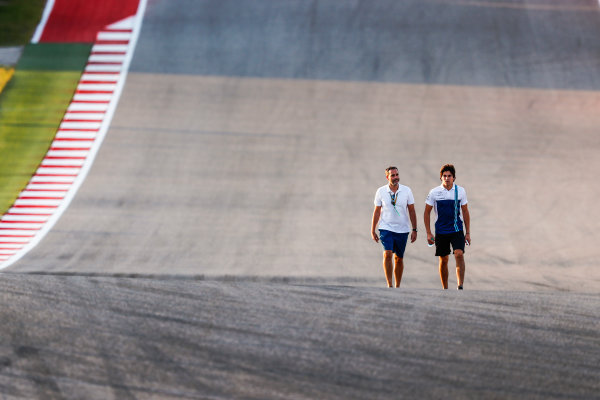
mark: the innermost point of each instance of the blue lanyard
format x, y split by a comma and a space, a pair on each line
394, 197
456, 207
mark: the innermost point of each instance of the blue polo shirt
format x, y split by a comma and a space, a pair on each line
447, 208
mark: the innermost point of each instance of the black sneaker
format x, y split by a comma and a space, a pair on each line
459, 288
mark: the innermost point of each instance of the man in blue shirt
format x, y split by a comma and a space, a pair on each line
450, 204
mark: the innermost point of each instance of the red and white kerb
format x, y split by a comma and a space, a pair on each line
74, 147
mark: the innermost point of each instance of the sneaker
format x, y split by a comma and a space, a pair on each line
459, 288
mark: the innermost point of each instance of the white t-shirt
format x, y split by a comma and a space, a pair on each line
394, 218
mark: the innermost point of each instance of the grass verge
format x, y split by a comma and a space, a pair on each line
18, 20
31, 108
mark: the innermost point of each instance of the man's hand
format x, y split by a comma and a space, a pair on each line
375, 237
468, 239
413, 236
430, 238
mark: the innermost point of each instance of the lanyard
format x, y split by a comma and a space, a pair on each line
456, 207
394, 197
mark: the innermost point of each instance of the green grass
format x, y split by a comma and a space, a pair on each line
18, 20
31, 108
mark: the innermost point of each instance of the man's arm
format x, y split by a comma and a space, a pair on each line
374, 222
426, 221
413, 221
467, 221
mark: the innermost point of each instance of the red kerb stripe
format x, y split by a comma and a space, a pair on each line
61, 166
75, 139
17, 236
22, 222
95, 83
105, 63
81, 120
57, 175
33, 206
28, 214
70, 148
47, 190
108, 53
85, 112
79, 129
94, 92
49, 183
64, 158
105, 41
40, 198
90, 102
20, 229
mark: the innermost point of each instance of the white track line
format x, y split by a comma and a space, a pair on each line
42, 25
77, 141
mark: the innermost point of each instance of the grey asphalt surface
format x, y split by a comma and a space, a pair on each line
220, 245
122, 338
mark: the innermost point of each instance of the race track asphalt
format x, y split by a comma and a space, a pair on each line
220, 246
124, 338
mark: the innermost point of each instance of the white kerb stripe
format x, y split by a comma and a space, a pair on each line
103, 68
92, 97
20, 226
114, 36
85, 116
13, 239
68, 153
15, 232
11, 245
76, 144
99, 77
8, 217
26, 210
97, 86
109, 48
88, 107
37, 202
39, 193
63, 181
58, 171
75, 135
48, 186
62, 163
106, 58
80, 125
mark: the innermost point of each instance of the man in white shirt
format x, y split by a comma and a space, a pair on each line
394, 205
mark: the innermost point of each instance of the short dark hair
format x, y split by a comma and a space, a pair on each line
388, 169
449, 168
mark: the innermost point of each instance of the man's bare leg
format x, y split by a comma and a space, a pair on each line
444, 271
398, 269
388, 266
460, 267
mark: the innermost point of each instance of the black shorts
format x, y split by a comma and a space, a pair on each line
443, 242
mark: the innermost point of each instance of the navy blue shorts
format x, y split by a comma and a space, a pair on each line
443, 242
393, 241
